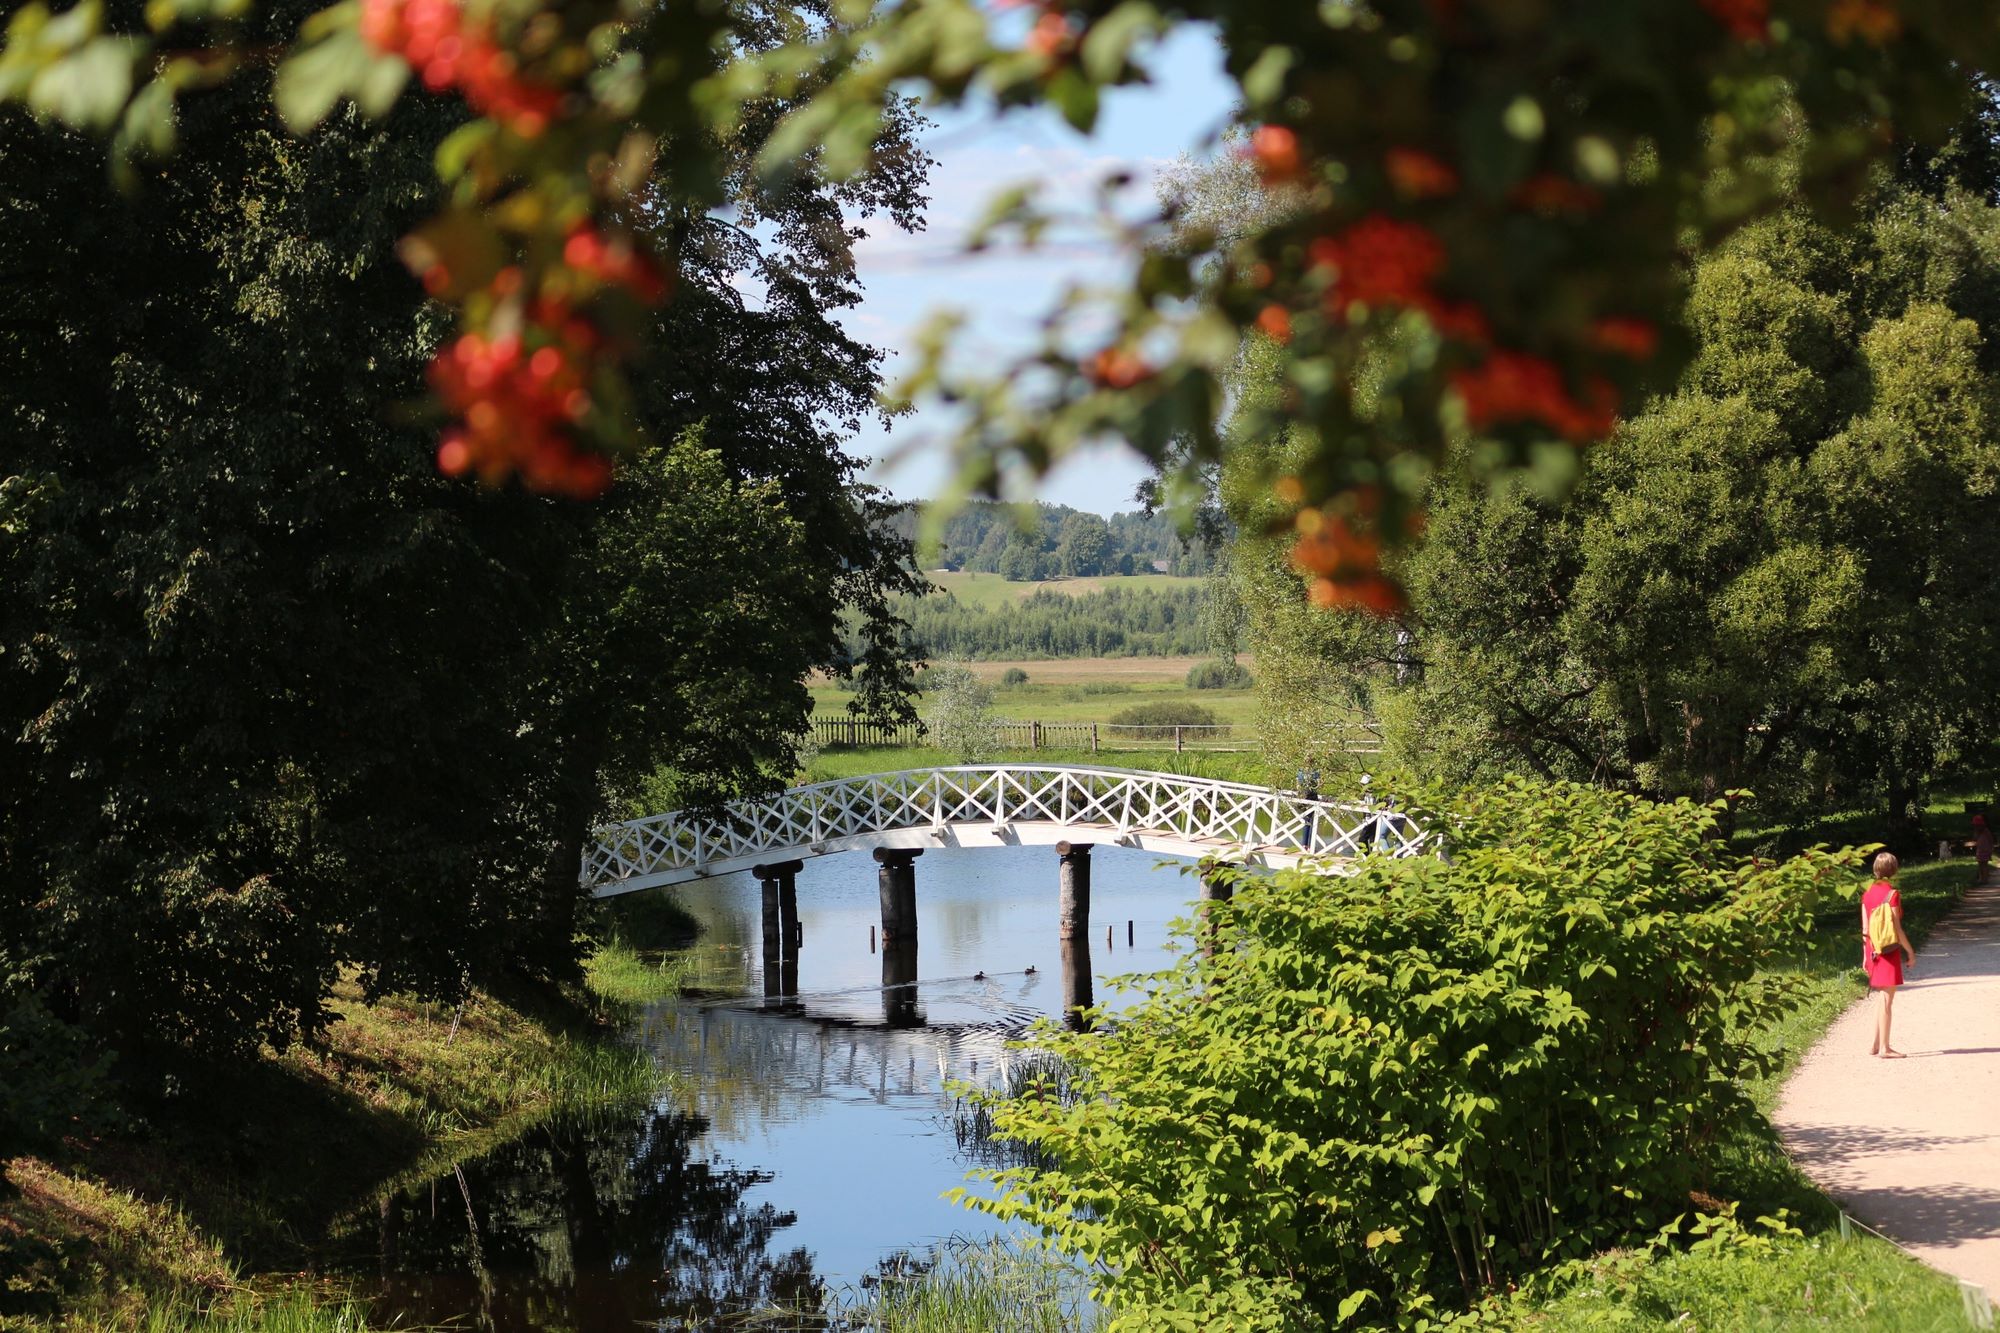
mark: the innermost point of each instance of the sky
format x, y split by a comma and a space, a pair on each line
907, 278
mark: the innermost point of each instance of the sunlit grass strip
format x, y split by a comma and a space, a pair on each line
620, 973
296, 1311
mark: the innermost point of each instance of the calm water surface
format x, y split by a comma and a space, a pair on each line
808, 1142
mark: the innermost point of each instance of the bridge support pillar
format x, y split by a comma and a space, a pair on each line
1073, 890
896, 881
782, 934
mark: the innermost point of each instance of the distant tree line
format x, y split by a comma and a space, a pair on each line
1047, 541
1116, 622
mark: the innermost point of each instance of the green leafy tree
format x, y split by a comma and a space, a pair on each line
1022, 560
1082, 546
958, 716
1774, 577
279, 699
1381, 1097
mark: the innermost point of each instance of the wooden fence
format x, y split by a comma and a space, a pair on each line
851, 732
1016, 734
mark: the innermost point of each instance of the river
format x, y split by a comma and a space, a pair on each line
808, 1139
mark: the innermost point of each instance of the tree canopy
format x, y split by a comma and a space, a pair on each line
1508, 188
278, 699
1776, 576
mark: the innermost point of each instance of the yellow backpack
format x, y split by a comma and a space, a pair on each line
1882, 927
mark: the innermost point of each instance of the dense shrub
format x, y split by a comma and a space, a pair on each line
1013, 676
1386, 1095
1093, 687
1160, 719
1218, 676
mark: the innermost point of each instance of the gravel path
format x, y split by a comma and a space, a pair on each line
1912, 1147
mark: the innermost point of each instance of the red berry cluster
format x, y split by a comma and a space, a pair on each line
1419, 175
1116, 368
1384, 261
449, 50
1513, 386
615, 262
1345, 562
1745, 20
516, 409
1275, 151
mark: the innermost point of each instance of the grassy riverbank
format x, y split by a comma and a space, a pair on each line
194, 1212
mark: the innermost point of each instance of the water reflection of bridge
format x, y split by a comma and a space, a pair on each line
754, 1063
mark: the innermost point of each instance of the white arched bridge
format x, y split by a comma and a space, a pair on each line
1002, 805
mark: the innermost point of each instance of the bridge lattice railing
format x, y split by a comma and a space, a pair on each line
1224, 814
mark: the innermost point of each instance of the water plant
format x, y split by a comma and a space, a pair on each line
993, 1286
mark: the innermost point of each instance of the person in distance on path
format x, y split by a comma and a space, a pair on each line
1885, 969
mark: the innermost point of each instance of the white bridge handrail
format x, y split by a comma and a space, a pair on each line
996, 805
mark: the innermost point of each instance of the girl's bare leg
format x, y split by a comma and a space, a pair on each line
1875, 1034
1888, 1010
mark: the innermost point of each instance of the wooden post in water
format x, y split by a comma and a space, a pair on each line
1073, 890
896, 884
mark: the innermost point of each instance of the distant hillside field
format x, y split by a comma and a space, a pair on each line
1085, 690
986, 591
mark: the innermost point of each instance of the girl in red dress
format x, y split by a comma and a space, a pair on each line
1885, 970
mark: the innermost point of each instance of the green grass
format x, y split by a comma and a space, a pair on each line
1073, 701
623, 974
1225, 766
990, 590
1821, 1283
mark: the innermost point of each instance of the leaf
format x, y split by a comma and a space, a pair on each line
89, 88
1108, 44
311, 83
1076, 98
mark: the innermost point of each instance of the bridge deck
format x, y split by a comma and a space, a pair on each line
995, 806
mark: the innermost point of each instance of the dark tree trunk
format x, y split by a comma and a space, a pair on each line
1903, 823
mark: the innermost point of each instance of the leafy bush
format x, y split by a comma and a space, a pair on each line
959, 720
51, 1076
1160, 719
1013, 676
1386, 1095
1094, 687
1219, 676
